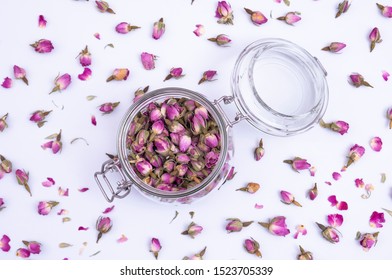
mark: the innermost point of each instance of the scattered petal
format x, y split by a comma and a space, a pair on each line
4, 243
359, 183
335, 220
312, 170
83, 190
63, 192
376, 144
122, 239
97, 35
41, 21
83, 228
342, 205
7, 83
259, 206
108, 210
64, 245
385, 75
200, 30
328, 183
300, 230
377, 219
86, 75
93, 120
336, 176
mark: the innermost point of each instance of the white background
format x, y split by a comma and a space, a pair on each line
71, 25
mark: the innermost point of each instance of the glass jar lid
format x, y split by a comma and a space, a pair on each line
279, 87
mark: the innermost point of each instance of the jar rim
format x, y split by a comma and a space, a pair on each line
300, 55
163, 94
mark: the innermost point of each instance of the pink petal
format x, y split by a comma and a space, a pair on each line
335, 220
63, 192
85, 75
83, 228
377, 219
385, 75
376, 144
342, 205
42, 21
93, 120
49, 182
7, 83
83, 189
336, 176
259, 206
97, 35
333, 200
108, 210
122, 239
359, 183
312, 171
328, 183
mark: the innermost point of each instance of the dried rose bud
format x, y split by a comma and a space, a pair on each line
5, 164
355, 153
304, 255
7, 83
208, 76
23, 253
224, 13
42, 46
211, 140
298, 164
374, 38
158, 29
290, 18
367, 240
39, 116
339, 126
276, 226
33, 246
103, 225
358, 80
313, 192
139, 93
143, 166
104, 7
61, 82
389, 117
119, 74
376, 144
220, 40
334, 47
85, 57
193, 230
148, 60
44, 207
343, 8
108, 107
386, 11
250, 188
236, 225
155, 247
198, 256
329, 233
3, 123
23, 178
174, 73
259, 151
288, 198
200, 30
41, 21
211, 158
125, 27
256, 17
252, 247
184, 143
4, 243
162, 145
20, 74
55, 145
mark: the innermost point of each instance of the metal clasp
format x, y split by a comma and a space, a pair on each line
227, 100
123, 187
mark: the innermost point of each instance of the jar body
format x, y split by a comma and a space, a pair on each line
218, 174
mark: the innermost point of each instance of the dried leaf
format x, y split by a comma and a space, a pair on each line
64, 245
96, 253
175, 216
109, 45
52, 136
62, 106
66, 219
91, 97
383, 177
192, 214
80, 138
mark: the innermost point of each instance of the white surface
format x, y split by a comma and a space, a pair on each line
71, 25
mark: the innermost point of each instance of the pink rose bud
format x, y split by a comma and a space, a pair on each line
220, 40
342, 8
162, 146
313, 192
207, 76
304, 255
169, 165
211, 159
236, 225
54, 145
298, 164
250, 188
334, 47
386, 11
148, 60
211, 140
23, 178
143, 166
277, 226
7, 83
172, 112
355, 153
198, 256
259, 151
200, 30
224, 13
174, 73
20, 73
358, 80
374, 38
119, 74
290, 18
182, 158
252, 247
157, 127
104, 7
231, 174
197, 165
376, 144
33, 246
44, 207
39, 116
103, 225
61, 83
43, 46
3, 123
158, 29
5, 164
256, 17
41, 21
86, 75
155, 247
125, 27
23, 253
339, 126
389, 117
367, 240
329, 233
108, 107
288, 198
193, 230
85, 57
4, 243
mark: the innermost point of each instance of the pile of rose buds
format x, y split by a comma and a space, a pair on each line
173, 145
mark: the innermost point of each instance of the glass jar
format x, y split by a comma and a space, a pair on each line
278, 87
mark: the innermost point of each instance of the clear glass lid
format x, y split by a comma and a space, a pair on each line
279, 87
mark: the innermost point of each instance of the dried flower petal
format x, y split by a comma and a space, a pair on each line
376, 144
155, 247
125, 27
108, 210
336, 176
290, 18
4, 243
23, 253
224, 13
122, 239
54, 145
335, 220
358, 80
252, 247
82, 228
340, 127
42, 46
93, 120
158, 29
250, 188
200, 30
367, 240
83, 189
63, 245
208, 76
148, 60
300, 230
104, 7
334, 47
374, 38
312, 171
256, 17
20, 74
86, 75
44, 207
340, 205
259, 206
385, 75
103, 225
119, 74
7, 83
343, 8
63, 192
41, 21
97, 35
377, 219
276, 226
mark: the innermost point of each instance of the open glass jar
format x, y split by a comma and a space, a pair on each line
278, 87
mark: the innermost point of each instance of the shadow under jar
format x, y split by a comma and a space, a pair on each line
277, 86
